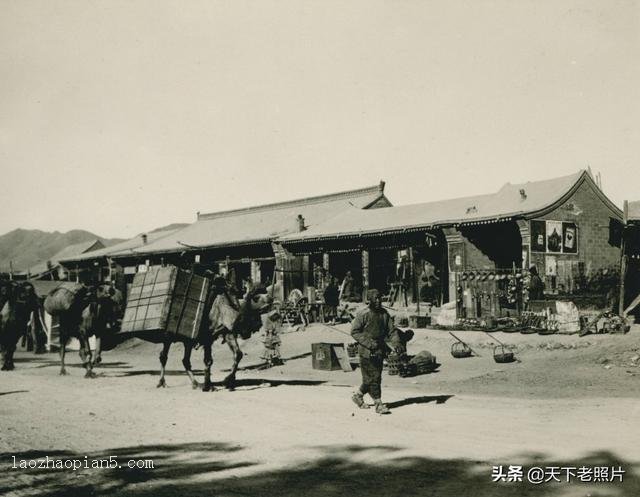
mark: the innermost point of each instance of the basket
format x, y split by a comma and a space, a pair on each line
460, 350
502, 355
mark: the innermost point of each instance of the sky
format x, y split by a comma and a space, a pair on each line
122, 116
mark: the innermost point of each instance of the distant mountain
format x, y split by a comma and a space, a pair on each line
24, 248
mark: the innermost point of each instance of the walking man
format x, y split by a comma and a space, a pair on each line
372, 328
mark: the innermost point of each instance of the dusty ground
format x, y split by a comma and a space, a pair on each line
293, 431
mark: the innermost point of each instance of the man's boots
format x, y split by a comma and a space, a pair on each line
381, 408
358, 399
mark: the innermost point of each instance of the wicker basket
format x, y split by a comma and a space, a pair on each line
502, 355
460, 350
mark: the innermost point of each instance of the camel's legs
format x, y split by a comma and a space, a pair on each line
63, 345
97, 359
85, 356
230, 380
186, 362
208, 362
164, 354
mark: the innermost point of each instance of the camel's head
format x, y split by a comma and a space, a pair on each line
258, 300
6, 289
26, 292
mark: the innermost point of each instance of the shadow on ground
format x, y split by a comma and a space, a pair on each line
199, 469
14, 391
438, 399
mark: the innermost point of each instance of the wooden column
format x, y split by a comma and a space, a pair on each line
255, 272
365, 274
525, 234
623, 257
455, 253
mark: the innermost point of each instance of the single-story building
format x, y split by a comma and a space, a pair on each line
98, 265
52, 269
240, 242
566, 227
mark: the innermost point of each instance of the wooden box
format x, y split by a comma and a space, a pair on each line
323, 356
166, 299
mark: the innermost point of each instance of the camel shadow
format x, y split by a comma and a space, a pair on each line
264, 365
438, 399
261, 383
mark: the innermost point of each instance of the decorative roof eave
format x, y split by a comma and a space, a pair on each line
192, 248
399, 230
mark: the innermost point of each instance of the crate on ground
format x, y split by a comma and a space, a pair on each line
329, 357
166, 299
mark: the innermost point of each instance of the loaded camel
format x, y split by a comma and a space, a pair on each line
90, 312
228, 318
18, 302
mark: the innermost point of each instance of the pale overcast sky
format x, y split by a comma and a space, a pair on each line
122, 116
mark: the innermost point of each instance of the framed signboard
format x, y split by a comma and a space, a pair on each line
554, 237
538, 236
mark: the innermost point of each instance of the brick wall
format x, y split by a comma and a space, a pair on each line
592, 217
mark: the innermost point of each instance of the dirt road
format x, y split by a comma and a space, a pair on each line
292, 431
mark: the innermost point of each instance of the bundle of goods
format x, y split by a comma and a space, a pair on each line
422, 363
63, 297
404, 365
606, 322
166, 299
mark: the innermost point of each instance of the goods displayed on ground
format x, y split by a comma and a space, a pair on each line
166, 299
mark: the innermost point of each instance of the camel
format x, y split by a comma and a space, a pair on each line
17, 303
227, 319
90, 314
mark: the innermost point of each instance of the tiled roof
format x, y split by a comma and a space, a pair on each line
121, 248
262, 223
70, 251
510, 201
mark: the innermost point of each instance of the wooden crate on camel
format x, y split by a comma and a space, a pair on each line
166, 300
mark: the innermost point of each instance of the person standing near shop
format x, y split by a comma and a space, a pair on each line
536, 287
331, 300
371, 329
346, 290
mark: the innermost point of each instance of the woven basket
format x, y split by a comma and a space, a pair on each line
460, 350
502, 355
